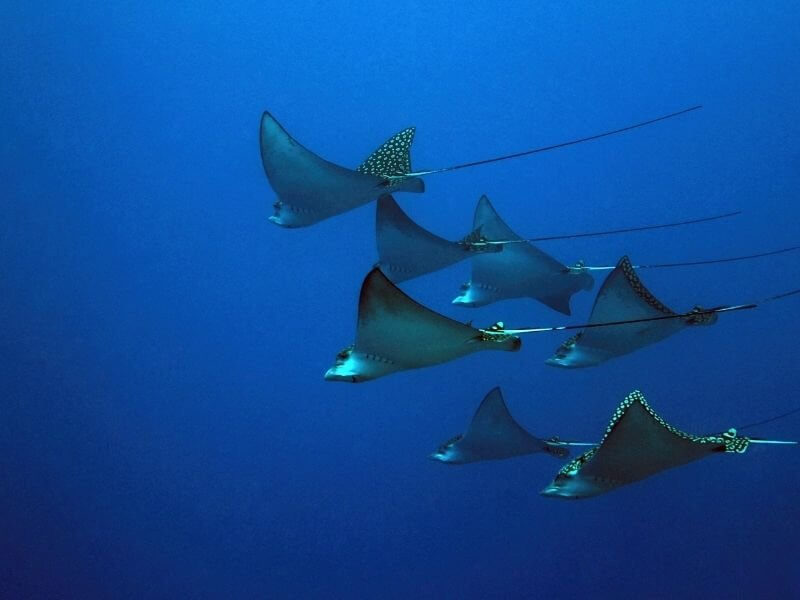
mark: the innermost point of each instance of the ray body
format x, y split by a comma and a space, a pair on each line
521, 270
310, 189
493, 434
638, 444
406, 250
622, 297
395, 333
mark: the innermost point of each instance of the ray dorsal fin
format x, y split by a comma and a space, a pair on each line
406, 250
393, 158
395, 333
637, 444
521, 270
624, 288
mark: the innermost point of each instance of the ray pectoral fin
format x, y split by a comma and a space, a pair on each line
407, 250
392, 164
393, 157
558, 303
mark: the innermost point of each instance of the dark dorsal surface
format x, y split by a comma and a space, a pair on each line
520, 270
494, 434
310, 189
622, 297
406, 250
395, 333
637, 444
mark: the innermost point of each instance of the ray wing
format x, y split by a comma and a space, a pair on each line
406, 250
493, 432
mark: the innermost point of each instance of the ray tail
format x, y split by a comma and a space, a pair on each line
570, 236
589, 138
694, 263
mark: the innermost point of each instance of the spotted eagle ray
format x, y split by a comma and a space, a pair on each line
521, 270
310, 188
395, 333
623, 297
493, 434
638, 444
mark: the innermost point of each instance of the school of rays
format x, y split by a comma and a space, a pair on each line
396, 333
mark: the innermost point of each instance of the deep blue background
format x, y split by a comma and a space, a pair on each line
165, 428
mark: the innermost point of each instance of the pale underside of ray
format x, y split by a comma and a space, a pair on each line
494, 434
395, 333
621, 297
406, 250
637, 444
310, 189
520, 270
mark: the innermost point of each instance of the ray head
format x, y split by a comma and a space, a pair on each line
449, 452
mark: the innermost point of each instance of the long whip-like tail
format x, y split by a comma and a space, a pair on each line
589, 138
692, 263
500, 329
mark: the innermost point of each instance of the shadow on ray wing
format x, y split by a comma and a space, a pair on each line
637, 444
395, 333
521, 270
310, 189
623, 297
493, 434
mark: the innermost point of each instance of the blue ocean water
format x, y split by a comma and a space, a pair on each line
166, 431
